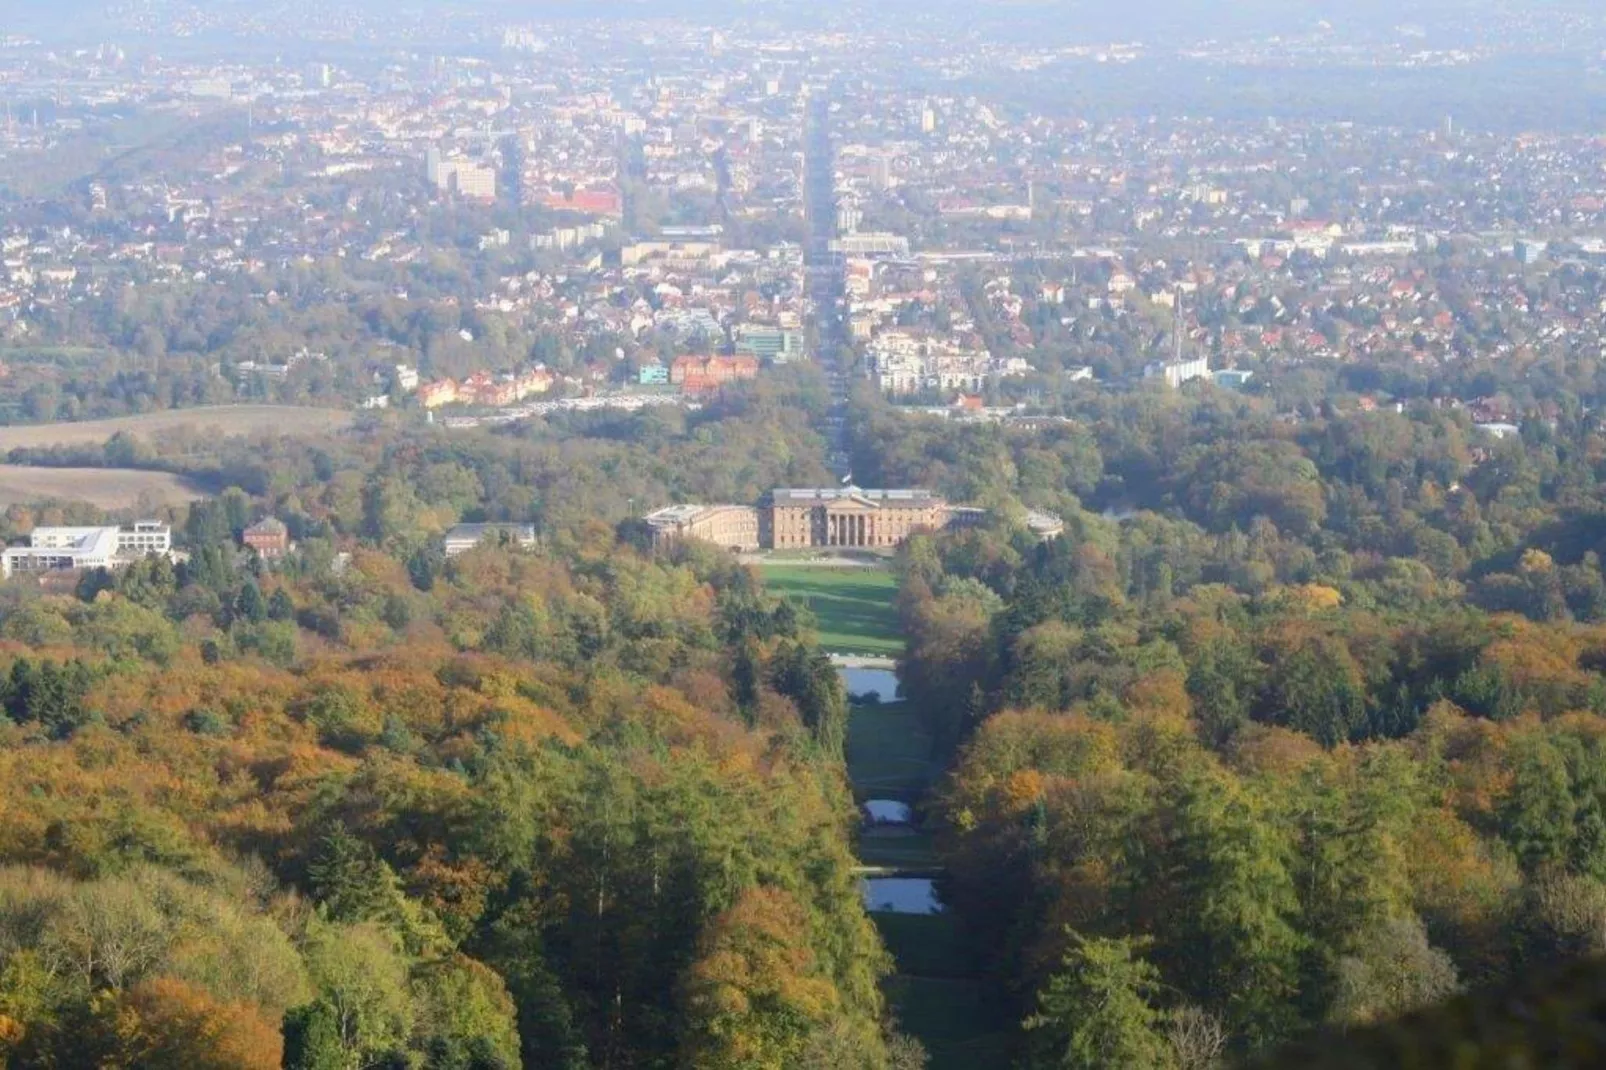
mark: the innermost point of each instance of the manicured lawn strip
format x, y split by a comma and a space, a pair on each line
889, 753
925, 945
913, 851
951, 1020
854, 607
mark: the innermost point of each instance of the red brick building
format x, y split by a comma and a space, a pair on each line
268, 537
696, 375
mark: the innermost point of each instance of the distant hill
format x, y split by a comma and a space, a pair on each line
1156, 21
1159, 22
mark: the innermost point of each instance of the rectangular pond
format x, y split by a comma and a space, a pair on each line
901, 895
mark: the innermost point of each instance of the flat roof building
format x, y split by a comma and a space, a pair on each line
464, 537
52, 549
1177, 372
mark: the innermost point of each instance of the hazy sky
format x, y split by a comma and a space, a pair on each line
1153, 21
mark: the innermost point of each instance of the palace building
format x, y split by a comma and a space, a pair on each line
849, 517
735, 527
828, 517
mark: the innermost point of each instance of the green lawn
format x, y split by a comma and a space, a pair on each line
855, 607
925, 945
936, 999
950, 1018
889, 753
897, 848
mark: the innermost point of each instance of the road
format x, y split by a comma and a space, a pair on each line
826, 279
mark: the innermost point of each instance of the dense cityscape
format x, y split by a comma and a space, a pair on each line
769, 535
467, 231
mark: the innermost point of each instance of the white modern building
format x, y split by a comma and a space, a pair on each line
54, 549
1177, 372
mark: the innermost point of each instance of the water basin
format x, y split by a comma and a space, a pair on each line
887, 812
901, 895
860, 682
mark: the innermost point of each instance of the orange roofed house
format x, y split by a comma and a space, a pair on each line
441, 392
481, 388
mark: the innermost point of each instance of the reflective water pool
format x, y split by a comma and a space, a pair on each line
901, 895
883, 682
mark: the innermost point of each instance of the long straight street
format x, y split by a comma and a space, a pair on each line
826, 284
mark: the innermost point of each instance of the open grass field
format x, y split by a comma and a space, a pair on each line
889, 753
107, 488
215, 419
855, 607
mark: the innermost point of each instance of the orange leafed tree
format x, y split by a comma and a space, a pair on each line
756, 995
170, 1025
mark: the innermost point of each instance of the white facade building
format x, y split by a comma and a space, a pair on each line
53, 549
1177, 372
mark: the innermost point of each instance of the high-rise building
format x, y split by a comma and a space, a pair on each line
881, 171
1528, 251
465, 178
1177, 372
475, 182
